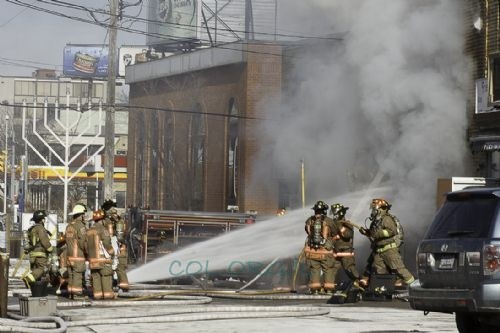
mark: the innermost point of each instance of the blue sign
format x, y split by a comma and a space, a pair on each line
85, 61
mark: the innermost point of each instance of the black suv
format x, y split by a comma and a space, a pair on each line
458, 261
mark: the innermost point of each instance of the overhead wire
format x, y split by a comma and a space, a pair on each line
129, 30
105, 25
126, 106
195, 27
175, 39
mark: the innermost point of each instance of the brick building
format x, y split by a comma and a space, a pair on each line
192, 129
482, 37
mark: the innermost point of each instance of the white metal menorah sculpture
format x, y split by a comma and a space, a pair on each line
66, 122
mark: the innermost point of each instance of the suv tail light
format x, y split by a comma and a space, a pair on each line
491, 259
425, 260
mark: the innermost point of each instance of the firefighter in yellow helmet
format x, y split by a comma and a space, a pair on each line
38, 248
76, 239
100, 256
384, 234
318, 250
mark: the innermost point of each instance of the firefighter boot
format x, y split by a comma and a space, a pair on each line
314, 291
357, 284
28, 279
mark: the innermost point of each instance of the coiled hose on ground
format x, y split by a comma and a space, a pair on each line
197, 301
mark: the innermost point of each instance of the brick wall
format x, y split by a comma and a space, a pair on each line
248, 83
479, 46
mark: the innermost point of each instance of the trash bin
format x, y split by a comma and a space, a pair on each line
39, 289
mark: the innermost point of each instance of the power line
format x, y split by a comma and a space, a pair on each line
13, 17
159, 35
28, 61
189, 27
123, 107
140, 32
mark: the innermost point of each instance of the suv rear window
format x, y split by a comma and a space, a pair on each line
470, 218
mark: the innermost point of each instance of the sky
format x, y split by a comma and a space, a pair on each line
33, 38
36, 39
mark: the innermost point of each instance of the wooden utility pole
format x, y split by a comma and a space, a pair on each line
109, 141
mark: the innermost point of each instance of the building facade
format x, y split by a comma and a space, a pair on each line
482, 38
50, 98
193, 129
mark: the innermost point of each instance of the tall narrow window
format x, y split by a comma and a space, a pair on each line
154, 174
197, 159
232, 155
140, 167
167, 160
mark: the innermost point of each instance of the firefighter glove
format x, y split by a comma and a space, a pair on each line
114, 265
364, 232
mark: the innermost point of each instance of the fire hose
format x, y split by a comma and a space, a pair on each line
258, 275
231, 294
34, 325
162, 315
208, 313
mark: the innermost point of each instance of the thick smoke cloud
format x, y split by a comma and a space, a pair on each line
389, 100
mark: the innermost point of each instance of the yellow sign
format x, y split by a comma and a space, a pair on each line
40, 172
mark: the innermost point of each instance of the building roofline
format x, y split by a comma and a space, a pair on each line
186, 62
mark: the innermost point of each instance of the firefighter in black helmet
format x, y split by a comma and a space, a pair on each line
342, 236
38, 248
318, 250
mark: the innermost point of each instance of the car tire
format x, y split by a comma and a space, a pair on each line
467, 323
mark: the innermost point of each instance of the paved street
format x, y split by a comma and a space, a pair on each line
211, 315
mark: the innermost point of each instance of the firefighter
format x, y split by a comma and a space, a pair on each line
116, 227
342, 236
100, 256
76, 240
165, 245
38, 248
318, 250
62, 274
384, 234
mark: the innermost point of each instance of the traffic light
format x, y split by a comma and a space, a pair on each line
2, 160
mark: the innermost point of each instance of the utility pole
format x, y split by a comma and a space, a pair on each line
109, 140
5, 163
6, 170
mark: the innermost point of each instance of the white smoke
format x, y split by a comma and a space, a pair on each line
389, 98
385, 104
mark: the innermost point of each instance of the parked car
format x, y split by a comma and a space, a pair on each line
458, 261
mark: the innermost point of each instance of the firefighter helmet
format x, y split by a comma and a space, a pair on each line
380, 204
38, 216
338, 210
78, 209
108, 204
320, 207
378, 208
98, 215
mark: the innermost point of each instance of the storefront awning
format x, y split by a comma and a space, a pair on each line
485, 143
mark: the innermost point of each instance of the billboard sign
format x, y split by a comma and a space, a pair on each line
85, 61
133, 54
129, 55
173, 21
